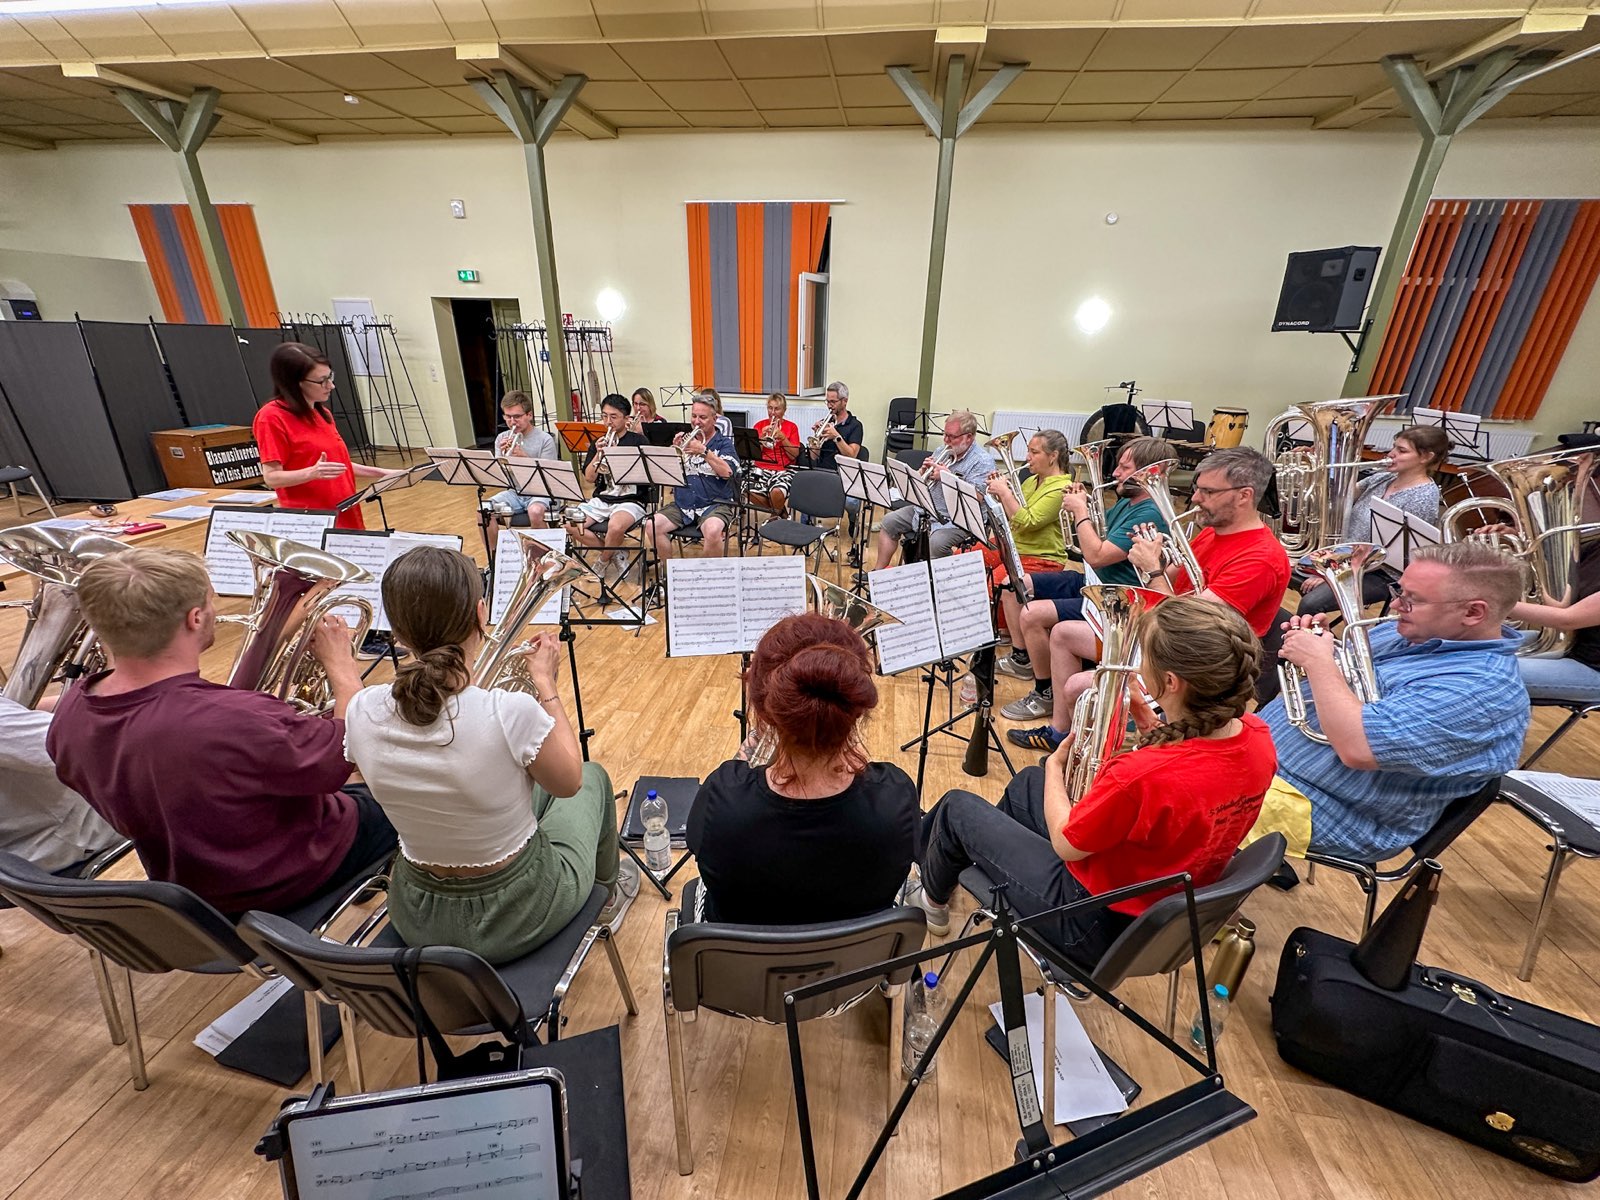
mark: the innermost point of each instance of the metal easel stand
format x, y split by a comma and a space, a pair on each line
1090, 1165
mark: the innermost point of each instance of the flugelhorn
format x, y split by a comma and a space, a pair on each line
1100, 716
1176, 550
500, 663
601, 467
1317, 484
56, 642
830, 600
1341, 568
820, 432
294, 590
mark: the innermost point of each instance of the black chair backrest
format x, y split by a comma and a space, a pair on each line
1267, 685
903, 410
1158, 940
744, 970
913, 458
817, 493
458, 989
139, 924
1453, 822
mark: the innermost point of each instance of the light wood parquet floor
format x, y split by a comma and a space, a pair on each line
71, 1123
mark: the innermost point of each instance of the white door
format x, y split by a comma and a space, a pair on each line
811, 334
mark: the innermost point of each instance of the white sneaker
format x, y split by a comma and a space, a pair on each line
912, 895
1030, 707
622, 894
1009, 666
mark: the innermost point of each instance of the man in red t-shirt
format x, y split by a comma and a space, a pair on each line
1242, 563
230, 793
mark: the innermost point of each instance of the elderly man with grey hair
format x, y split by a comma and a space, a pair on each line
963, 457
844, 440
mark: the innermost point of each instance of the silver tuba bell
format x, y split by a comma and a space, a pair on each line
1317, 484
1341, 568
294, 590
57, 642
544, 572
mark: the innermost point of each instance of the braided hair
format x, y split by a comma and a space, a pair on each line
1209, 647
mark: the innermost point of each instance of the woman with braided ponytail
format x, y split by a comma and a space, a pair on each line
504, 829
1182, 801
822, 833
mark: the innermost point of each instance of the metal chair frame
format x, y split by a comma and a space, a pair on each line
1582, 844
16, 498
1576, 711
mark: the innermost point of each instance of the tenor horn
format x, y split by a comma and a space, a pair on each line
1001, 444
1100, 716
500, 663
1317, 484
294, 590
1341, 568
56, 642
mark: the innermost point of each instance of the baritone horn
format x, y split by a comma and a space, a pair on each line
1341, 568
1176, 550
501, 662
1001, 444
1100, 717
57, 642
294, 590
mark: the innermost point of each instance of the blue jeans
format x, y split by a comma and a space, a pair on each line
1558, 678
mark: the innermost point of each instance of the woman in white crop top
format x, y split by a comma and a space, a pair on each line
504, 829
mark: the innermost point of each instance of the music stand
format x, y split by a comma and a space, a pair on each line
545, 479
472, 468
867, 482
1401, 534
913, 487
661, 433
653, 467
965, 506
747, 446
1167, 414
1463, 430
409, 477
579, 437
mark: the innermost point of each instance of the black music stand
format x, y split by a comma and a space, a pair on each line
965, 504
473, 468
653, 467
409, 477
869, 483
1168, 415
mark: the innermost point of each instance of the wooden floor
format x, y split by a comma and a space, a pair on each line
72, 1125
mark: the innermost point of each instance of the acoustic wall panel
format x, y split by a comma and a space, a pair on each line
255, 349
138, 396
208, 373
49, 385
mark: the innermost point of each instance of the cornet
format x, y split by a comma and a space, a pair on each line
1341, 568
504, 442
602, 469
820, 432
942, 457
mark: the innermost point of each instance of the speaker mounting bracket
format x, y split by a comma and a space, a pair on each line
1356, 344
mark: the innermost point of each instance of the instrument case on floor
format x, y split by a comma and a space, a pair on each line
1447, 1051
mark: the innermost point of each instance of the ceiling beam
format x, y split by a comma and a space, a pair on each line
1373, 104
118, 79
490, 57
23, 142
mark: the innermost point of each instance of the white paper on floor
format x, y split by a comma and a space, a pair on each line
1084, 1088
220, 1034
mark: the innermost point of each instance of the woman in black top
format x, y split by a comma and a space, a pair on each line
821, 834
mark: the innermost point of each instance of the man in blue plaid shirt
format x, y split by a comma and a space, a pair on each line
1451, 715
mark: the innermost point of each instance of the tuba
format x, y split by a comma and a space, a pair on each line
57, 642
294, 590
1316, 484
831, 600
500, 663
1341, 568
1100, 717
1176, 550
1545, 510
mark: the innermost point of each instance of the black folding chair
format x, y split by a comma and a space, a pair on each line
815, 494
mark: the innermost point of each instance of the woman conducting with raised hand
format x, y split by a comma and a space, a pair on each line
504, 829
822, 834
303, 458
1405, 482
1182, 801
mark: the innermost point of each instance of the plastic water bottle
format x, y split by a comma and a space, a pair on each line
1219, 1017
657, 842
923, 1004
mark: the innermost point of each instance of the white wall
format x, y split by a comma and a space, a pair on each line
98, 289
1192, 267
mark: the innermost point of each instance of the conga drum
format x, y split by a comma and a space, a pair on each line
1227, 428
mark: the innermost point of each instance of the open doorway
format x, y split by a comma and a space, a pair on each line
482, 373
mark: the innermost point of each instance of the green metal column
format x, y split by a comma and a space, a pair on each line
184, 131
947, 122
1439, 112
533, 120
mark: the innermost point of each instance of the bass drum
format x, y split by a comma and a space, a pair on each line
1227, 428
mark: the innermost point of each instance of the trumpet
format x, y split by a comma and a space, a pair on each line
1341, 568
602, 469
771, 435
685, 456
820, 432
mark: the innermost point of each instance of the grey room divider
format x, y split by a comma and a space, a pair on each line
209, 373
138, 396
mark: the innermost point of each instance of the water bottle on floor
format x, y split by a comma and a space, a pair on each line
657, 842
924, 1003
1219, 1017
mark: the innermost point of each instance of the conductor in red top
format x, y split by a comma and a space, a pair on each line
303, 458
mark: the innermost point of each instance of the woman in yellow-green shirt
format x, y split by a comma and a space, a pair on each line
1035, 516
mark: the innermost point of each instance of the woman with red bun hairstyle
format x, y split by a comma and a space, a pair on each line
822, 834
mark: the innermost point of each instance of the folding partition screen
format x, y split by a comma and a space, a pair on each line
137, 395
346, 399
255, 351
208, 373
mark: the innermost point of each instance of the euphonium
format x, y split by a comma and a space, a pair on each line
1001, 445
1100, 717
1545, 508
294, 590
1317, 484
57, 641
1341, 568
1177, 551
831, 600
544, 571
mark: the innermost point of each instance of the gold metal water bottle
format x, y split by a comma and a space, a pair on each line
1233, 956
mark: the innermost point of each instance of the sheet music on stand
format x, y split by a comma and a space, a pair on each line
943, 606
469, 468
374, 550
1401, 534
965, 505
725, 605
230, 568
652, 466
913, 487
409, 477
508, 569
544, 479
866, 481
1581, 796
1167, 414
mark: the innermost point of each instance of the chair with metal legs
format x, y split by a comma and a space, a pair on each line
1158, 942
1576, 711
1571, 836
462, 993
11, 476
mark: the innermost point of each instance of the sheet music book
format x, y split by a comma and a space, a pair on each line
184, 512
231, 571
1400, 533
1582, 796
174, 494
724, 605
246, 498
374, 550
508, 567
943, 606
